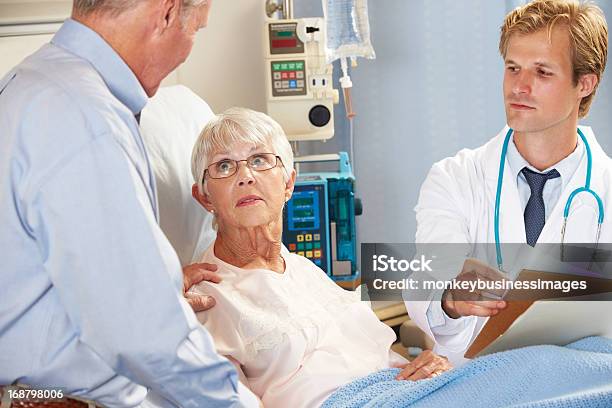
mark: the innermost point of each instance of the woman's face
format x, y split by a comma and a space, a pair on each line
248, 198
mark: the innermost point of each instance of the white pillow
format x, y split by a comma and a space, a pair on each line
170, 124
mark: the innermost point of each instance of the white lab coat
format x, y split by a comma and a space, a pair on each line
456, 205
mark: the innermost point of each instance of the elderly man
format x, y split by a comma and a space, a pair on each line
91, 289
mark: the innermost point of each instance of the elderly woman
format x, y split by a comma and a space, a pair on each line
295, 335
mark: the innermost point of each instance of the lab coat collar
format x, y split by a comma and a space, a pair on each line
510, 209
494, 146
493, 149
566, 167
85, 43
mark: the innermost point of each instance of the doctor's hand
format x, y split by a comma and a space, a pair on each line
194, 274
427, 365
465, 302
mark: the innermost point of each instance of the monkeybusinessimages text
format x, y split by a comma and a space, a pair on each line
384, 263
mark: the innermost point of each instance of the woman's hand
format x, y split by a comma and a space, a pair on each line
427, 365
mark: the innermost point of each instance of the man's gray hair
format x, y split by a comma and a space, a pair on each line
239, 125
84, 7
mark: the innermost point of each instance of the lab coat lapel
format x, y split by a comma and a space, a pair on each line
511, 220
582, 219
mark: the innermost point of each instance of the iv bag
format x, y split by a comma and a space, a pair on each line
347, 29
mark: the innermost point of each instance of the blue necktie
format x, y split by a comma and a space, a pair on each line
535, 213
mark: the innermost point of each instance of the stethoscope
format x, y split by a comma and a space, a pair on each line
568, 203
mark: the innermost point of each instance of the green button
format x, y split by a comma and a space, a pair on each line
300, 246
299, 65
291, 66
283, 67
276, 67
317, 245
309, 245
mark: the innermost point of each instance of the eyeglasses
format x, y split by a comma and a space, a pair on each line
227, 167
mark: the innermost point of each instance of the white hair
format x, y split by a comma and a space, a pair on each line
84, 7
239, 125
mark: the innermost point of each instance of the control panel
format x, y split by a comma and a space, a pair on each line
288, 78
305, 226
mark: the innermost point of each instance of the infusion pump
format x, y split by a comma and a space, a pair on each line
299, 92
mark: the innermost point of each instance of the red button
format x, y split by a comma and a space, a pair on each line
292, 247
292, 75
284, 75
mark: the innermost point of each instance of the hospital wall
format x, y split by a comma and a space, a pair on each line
434, 88
225, 67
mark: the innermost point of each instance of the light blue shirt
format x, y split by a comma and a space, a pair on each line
91, 293
443, 325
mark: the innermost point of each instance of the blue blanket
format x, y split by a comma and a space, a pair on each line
578, 375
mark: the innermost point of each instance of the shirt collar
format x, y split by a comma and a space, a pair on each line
85, 43
566, 167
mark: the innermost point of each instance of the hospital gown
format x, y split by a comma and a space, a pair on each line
297, 335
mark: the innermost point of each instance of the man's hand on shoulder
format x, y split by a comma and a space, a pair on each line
194, 274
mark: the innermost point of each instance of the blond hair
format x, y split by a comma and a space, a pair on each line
239, 125
587, 28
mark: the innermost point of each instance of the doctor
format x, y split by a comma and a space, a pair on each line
554, 54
